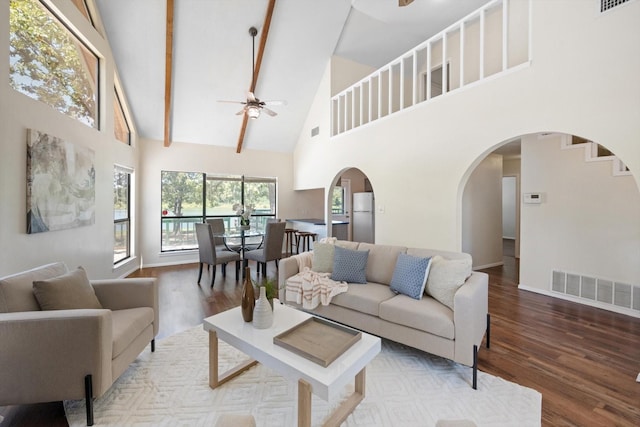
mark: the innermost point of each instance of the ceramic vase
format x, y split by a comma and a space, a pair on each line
262, 313
248, 297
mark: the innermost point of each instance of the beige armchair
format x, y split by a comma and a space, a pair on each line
58, 355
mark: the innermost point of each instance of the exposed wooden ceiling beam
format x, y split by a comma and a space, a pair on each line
256, 72
168, 67
404, 2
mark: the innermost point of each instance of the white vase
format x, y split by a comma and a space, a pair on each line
262, 313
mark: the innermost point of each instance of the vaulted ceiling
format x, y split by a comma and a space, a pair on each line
212, 58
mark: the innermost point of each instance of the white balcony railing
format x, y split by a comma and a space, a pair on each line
485, 43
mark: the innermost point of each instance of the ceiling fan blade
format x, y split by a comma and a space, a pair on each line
269, 112
232, 102
280, 102
240, 112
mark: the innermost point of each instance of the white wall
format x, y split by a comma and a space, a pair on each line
588, 222
419, 159
90, 246
482, 213
213, 160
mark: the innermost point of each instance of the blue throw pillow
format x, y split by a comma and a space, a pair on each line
410, 275
349, 265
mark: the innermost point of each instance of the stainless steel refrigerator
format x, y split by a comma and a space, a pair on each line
362, 217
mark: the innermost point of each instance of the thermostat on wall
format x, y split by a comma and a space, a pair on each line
534, 198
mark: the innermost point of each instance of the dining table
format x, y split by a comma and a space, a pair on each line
249, 239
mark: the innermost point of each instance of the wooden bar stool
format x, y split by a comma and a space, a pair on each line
289, 240
303, 239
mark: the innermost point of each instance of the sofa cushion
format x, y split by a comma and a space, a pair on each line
446, 276
16, 291
347, 244
67, 292
127, 325
349, 265
364, 298
410, 275
425, 314
382, 261
323, 257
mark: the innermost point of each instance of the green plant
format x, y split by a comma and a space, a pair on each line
271, 285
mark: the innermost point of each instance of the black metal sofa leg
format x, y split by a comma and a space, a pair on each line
475, 367
153, 345
88, 392
488, 330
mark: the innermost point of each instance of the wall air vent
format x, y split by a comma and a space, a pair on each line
602, 291
610, 4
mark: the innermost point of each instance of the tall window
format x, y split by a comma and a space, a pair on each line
121, 128
182, 208
337, 201
189, 198
121, 214
49, 63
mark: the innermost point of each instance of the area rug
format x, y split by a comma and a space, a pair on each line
404, 387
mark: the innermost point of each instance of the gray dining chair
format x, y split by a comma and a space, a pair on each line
212, 257
271, 249
217, 226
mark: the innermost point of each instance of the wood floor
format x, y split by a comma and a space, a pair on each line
583, 360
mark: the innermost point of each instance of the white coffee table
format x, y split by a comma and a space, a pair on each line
312, 378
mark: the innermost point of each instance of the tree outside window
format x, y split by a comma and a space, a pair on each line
47, 62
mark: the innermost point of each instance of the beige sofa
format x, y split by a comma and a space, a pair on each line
62, 354
425, 324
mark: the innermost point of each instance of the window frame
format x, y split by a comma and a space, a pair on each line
231, 220
126, 220
80, 42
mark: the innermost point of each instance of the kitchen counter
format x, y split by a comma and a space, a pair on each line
316, 221
319, 226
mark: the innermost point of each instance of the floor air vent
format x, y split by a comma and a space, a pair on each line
598, 290
610, 4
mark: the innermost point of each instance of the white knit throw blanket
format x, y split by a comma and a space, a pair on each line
311, 288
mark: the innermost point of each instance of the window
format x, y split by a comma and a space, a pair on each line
51, 65
121, 214
192, 197
120, 125
182, 208
82, 7
337, 201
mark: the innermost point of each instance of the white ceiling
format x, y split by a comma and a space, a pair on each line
212, 58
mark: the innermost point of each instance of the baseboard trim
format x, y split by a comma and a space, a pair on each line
596, 304
494, 264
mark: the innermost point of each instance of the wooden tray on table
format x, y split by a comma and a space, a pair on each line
318, 340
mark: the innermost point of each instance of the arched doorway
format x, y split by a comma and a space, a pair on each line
350, 203
578, 222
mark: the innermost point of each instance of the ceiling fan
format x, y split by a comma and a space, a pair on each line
254, 106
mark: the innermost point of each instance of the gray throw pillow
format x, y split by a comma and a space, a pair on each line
349, 265
69, 291
323, 257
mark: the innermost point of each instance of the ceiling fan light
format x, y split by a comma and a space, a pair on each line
253, 112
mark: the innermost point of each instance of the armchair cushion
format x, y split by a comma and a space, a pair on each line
16, 291
69, 291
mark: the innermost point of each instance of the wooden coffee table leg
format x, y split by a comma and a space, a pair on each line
304, 404
340, 414
216, 380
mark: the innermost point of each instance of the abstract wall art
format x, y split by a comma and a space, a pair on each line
61, 184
